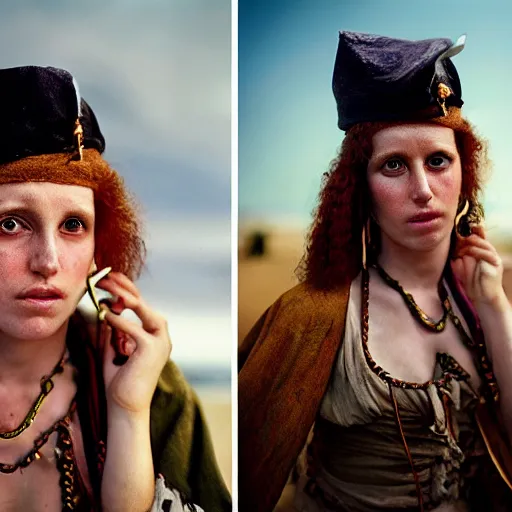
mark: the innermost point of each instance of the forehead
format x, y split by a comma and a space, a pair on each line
413, 135
44, 193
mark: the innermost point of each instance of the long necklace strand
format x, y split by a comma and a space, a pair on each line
46, 387
425, 320
484, 365
66, 465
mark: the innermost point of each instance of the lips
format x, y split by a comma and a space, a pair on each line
425, 216
42, 293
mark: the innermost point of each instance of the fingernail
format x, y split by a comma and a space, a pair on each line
119, 306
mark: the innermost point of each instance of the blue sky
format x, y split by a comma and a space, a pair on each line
287, 113
158, 76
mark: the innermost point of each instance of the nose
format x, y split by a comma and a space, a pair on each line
44, 259
421, 192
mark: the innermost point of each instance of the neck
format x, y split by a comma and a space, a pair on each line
414, 269
24, 362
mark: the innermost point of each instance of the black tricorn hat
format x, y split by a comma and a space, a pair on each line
379, 78
42, 113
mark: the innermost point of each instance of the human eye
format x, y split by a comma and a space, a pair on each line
439, 161
74, 225
10, 225
393, 165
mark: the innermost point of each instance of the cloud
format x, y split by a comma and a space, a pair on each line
189, 265
156, 73
199, 339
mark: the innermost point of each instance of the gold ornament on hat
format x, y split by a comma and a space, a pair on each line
443, 91
79, 138
78, 133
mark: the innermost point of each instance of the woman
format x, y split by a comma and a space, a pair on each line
92, 414
381, 346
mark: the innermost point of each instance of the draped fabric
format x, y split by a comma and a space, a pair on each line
285, 365
357, 454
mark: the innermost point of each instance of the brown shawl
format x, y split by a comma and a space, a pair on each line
285, 363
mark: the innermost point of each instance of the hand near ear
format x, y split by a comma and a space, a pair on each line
478, 266
147, 346
128, 477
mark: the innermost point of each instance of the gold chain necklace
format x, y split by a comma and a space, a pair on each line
34, 453
425, 320
46, 386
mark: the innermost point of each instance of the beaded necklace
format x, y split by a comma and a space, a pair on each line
66, 464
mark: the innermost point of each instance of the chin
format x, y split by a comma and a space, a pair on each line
427, 243
35, 328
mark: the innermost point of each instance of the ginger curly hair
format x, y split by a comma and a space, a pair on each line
118, 230
333, 245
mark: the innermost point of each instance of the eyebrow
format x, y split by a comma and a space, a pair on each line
21, 208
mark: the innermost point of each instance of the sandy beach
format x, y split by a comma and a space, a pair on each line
262, 279
217, 408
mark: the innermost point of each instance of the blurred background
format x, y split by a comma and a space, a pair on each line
158, 76
288, 122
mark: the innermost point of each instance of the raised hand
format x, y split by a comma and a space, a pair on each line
478, 266
147, 345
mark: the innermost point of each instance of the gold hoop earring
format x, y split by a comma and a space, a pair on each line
463, 212
471, 214
365, 239
91, 282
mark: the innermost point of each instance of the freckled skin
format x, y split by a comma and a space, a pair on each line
46, 238
414, 168
43, 246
